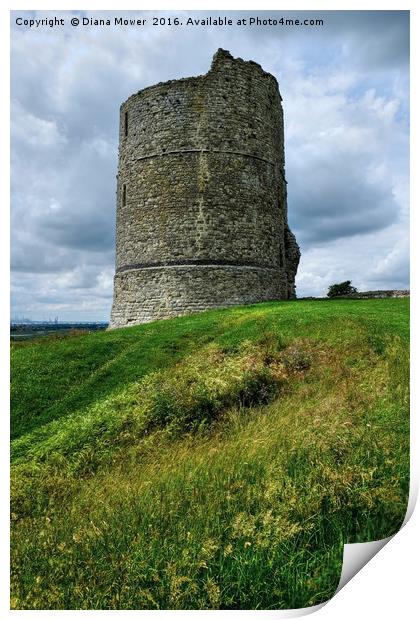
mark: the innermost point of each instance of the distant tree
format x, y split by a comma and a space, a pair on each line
343, 288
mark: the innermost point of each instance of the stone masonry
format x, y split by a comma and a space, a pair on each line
201, 196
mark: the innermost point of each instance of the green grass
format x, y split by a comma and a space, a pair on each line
215, 461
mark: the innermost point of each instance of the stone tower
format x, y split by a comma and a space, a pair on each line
201, 197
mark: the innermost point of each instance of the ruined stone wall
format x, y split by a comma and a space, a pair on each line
378, 294
201, 196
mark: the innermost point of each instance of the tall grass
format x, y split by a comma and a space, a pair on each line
226, 469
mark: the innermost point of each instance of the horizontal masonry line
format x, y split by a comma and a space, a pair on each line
182, 151
195, 263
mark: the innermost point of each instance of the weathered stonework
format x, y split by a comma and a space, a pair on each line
379, 294
201, 196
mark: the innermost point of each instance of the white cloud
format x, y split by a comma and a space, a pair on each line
31, 131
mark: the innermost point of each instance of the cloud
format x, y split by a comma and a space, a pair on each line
345, 91
394, 267
342, 153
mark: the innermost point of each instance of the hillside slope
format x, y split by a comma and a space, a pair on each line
219, 460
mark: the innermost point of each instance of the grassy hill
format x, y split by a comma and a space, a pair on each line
219, 460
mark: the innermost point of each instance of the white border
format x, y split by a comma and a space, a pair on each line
387, 586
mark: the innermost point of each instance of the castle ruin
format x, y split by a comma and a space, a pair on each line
201, 196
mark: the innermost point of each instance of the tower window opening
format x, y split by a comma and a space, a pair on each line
126, 124
124, 195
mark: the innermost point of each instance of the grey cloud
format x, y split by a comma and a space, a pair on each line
368, 40
35, 258
88, 231
337, 202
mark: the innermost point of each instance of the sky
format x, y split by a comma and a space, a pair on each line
345, 89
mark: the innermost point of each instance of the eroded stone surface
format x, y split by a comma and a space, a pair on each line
201, 196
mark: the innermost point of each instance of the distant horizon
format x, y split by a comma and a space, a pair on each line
61, 320
27, 320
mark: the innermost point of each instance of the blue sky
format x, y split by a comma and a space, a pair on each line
345, 89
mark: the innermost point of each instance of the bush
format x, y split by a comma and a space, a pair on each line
343, 288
